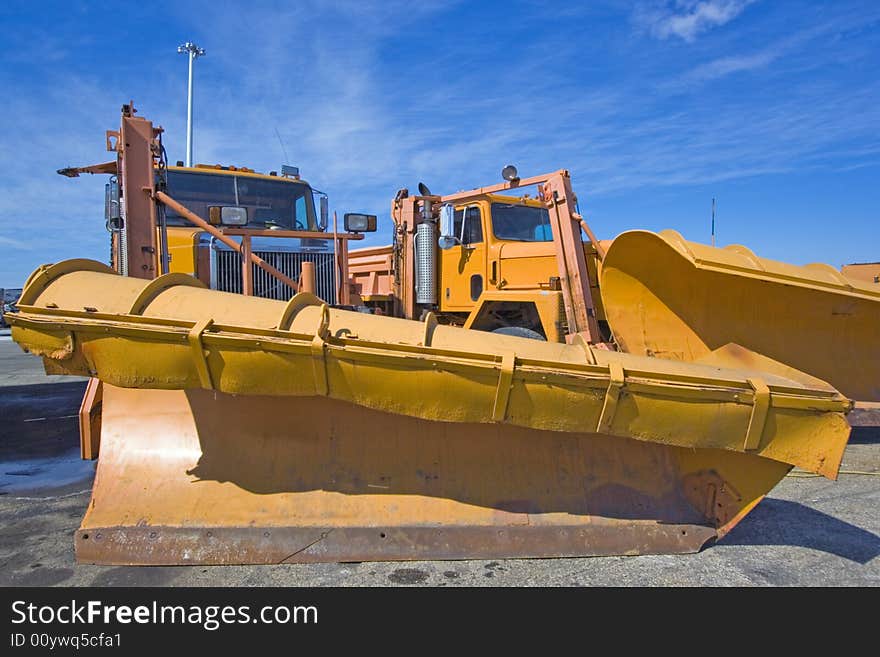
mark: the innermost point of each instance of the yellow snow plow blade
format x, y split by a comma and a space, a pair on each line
667, 297
245, 430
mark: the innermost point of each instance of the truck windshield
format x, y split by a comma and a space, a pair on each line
522, 223
270, 203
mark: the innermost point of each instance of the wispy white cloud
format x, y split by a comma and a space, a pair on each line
718, 68
16, 244
687, 19
793, 43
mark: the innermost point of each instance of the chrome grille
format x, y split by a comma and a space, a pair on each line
226, 273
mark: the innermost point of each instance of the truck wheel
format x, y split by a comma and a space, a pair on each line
520, 332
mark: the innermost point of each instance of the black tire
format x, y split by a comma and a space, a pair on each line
520, 332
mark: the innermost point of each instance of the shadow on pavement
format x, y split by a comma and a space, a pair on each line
39, 437
864, 435
782, 522
39, 420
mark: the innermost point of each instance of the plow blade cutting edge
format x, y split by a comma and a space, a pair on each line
244, 430
670, 298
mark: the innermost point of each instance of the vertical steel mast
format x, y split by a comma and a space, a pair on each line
194, 53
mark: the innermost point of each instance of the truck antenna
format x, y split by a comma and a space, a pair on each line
280, 141
713, 221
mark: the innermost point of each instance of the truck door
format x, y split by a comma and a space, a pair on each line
463, 267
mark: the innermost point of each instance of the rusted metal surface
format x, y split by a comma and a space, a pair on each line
502, 187
307, 278
344, 292
304, 234
137, 149
156, 546
247, 272
90, 419
340, 266
405, 214
576, 293
203, 477
105, 167
719, 500
600, 247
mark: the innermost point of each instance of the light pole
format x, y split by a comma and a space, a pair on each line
194, 53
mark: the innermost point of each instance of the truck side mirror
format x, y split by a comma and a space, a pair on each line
325, 212
447, 227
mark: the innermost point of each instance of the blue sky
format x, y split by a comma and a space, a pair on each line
772, 107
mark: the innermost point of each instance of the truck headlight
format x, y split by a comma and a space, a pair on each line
228, 215
359, 223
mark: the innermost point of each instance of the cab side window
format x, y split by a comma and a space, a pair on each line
300, 217
473, 226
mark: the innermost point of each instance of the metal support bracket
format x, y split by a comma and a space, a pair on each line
760, 407
617, 379
583, 343
505, 383
198, 350
430, 324
319, 359
111, 138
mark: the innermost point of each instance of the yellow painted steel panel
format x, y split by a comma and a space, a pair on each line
666, 297
258, 347
183, 249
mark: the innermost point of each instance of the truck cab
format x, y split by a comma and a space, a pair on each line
501, 242
501, 273
244, 204
489, 260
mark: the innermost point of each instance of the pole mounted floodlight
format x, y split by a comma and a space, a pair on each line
509, 173
194, 53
